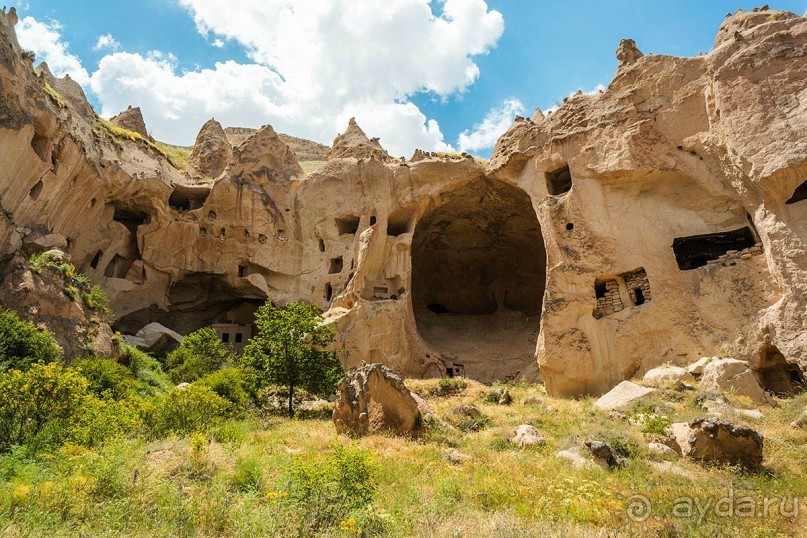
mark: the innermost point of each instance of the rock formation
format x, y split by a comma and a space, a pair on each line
717, 441
131, 119
211, 152
372, 399
656, 222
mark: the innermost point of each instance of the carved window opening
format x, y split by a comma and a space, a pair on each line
399, 223
328, 292
613, 293
321, 245
336, 266
698, 250
184, 199
96, 259
559, 181
242, 271
778, 376
40, 146
347, 225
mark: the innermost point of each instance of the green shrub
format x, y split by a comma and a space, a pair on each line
190, 409
22, 344
42, 260
230, 384
324, 491
107, 379
201, 352
39, 405
146, 370
449, 386
96, 299
248, 475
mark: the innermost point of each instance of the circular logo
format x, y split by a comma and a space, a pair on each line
638, 508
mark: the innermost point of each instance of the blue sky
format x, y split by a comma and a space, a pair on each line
542, 52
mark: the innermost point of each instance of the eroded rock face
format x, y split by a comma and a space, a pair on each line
717, 441
372, 399
732, 375
211, 152
131, 119
655, 222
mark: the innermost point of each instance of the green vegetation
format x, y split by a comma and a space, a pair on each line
120, 133
176, 155
75, 284
57, 99
290, 349
22, 344
201, 353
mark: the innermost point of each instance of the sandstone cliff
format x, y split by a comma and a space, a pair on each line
658, 221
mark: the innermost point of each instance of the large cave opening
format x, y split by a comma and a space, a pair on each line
478, 279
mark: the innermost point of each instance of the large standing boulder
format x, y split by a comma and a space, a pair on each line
622, 395
372, 399
668, 375
154, 336
734, 376
718, 441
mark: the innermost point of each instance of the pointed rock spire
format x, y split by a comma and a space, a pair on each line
131, 119
264, 156
211, 152
354, 143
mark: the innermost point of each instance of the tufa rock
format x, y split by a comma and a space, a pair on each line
627, 53
604, 454
718, 441
452, 455
372, 399
735, 376
211, 152
131, 119
354, 143
526, 436
505, 398
696, 368
801, 421
623, 395
668, 375
264, 158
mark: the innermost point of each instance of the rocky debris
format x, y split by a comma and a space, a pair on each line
714, 440
696, 368
372, 399
211, 153
264, 158
465, 410
668, 375
627, 52
574, 456
526, 436
735, 376
131, 119
154, 337
743, 22
659, 447
533, 401
505, 398
623, 395
604, 454
354, 143
452, 455
801, 421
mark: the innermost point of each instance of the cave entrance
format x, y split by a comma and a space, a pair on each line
478, 279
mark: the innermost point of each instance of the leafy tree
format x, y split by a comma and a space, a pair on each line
201, 352
290, 350
22, 344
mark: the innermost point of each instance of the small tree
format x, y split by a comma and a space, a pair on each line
21, 343
289, 350
201, 352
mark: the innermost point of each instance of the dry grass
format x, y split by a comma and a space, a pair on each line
134, 488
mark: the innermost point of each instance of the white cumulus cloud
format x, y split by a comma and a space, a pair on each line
106, 42
597, 89
313, 66
495, 123
45, 40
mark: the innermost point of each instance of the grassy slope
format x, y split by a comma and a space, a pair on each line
138, 488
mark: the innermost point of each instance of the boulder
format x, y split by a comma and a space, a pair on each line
696, 368
372, 399
470, 411
574, 456
505, 398
627, 52
622, 395
717, 441
526, 436
452, 455
533, 401
668, 375
734, 376
37, 243
604, 454
155, 336
661, 448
